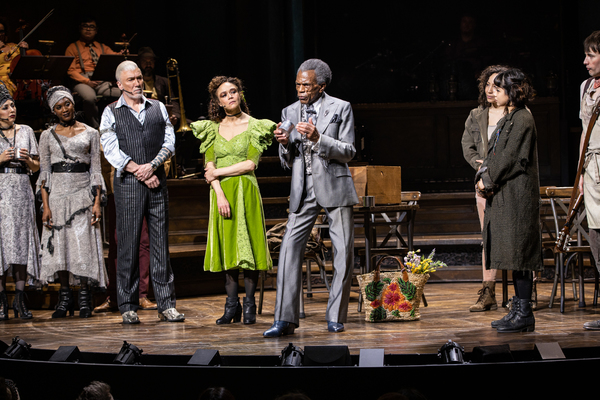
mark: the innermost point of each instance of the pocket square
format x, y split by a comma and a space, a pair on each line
336, 119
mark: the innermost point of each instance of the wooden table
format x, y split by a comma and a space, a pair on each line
393, 216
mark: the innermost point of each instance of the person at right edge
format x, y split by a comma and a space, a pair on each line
317, 150
589, 181
509, 180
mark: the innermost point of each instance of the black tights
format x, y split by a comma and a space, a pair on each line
523, 283
19, 273
231, 282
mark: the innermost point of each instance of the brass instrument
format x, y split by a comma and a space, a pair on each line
173, 72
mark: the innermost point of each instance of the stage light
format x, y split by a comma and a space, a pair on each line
129, 354
452, 353
18, 350
291, 356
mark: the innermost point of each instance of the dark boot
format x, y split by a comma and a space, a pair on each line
249, 311
65, 303
233, 311
3, 306
19, 306
522, 321
487, 298
509, 316
85, 303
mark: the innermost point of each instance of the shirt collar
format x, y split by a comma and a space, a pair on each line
121, 102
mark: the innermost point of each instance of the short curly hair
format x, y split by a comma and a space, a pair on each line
483, 78
215, 111
517, 86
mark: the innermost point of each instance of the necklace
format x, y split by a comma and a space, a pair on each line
14, 135
68, 123
233, 115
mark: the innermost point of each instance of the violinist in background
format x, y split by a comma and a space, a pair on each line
87, 52
7, 53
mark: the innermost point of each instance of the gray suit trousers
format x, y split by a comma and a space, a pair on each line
134, 201
291, 257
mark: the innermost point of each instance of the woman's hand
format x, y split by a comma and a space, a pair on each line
47, 218
7, 155
581, 184
281, 136
210, 173
96, 213
223, 205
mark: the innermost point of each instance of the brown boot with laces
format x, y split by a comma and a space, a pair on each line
487, 298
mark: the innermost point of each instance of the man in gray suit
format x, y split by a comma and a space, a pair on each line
317, 151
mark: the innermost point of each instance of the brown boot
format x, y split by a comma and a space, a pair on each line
487, 298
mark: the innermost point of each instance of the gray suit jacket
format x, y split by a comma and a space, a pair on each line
332, 180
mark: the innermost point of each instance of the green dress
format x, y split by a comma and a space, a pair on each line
239, 241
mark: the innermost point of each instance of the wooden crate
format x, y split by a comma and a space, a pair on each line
382, 182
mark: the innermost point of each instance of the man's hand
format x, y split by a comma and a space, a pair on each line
131, 167
152, 182
144, 172
308, 129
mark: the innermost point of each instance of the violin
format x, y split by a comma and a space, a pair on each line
27, 89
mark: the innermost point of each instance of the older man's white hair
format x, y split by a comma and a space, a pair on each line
127, 65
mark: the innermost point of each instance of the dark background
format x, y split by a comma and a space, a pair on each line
379, 51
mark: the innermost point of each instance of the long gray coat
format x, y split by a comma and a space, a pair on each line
512, 231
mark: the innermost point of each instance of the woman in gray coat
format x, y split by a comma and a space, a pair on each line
509, 179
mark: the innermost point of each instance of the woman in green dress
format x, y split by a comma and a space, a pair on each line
232, 142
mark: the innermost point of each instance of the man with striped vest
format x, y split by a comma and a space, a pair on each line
137, 138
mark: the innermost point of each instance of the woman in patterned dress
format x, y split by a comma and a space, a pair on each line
19, 237
232, 142
72, 189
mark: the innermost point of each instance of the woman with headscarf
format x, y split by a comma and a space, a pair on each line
72, 190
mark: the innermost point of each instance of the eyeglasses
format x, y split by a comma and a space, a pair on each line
88, 26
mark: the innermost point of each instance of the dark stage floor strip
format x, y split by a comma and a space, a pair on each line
447, 317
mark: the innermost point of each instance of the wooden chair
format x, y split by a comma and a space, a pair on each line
560, 198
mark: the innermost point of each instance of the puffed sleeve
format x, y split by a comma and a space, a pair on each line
96, 178
206, 131
261, 137
45, 177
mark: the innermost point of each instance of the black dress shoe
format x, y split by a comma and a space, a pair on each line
335, 327
279, 328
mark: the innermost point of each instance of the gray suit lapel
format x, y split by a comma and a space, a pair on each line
328, 108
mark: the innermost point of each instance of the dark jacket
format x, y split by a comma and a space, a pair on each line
511, 228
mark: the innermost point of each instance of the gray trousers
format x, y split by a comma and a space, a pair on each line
134, 201
291, 257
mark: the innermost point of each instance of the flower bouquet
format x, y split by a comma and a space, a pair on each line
396, 295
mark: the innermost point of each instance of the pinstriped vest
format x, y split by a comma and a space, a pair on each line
140, 142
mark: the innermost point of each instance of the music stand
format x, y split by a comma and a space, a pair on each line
42, 67
107, 65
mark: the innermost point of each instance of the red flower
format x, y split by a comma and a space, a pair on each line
375, 303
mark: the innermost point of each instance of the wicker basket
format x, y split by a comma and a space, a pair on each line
392, 296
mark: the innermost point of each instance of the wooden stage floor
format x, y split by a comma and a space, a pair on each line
447, 317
